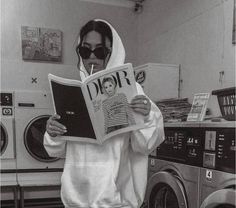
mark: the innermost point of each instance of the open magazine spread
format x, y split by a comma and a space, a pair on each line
97, 108
199, 106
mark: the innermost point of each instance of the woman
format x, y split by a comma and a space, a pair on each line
113, 174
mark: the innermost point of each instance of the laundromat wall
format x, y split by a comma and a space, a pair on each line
195, 34
67, 16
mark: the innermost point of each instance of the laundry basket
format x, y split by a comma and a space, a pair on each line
226, 99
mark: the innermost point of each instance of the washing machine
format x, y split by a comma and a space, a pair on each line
8, 159
217, 177
8, 180
174, 168
35, 168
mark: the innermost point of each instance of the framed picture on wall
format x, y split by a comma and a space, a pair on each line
41, 44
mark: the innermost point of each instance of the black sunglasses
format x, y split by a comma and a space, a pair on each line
99, 52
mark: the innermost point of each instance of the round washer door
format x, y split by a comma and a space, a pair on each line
224, 198
33, 139
4, 139
165, 190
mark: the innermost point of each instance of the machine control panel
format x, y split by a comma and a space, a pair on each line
219, 149
210, 147
182, 145
6, 99
6, 104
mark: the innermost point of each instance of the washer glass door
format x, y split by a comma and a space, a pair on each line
164, 197
166, 191
4, 139
33, 139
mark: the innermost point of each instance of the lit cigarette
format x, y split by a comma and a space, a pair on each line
91, 71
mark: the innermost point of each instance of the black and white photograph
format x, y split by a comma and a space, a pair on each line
118, 104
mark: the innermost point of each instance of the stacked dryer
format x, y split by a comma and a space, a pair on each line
8, 159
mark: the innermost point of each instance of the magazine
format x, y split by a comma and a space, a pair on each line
199, 106
97, 108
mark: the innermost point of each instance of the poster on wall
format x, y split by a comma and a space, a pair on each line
41, 44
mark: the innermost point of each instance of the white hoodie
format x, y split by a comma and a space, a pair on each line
113, 174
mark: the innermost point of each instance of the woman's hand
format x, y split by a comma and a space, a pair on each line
141, 104
53, 127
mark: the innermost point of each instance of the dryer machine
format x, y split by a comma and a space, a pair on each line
34, 165
174, 170
218, 179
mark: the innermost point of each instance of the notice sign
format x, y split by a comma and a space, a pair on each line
199, 106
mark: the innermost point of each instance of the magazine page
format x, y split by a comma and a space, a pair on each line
69, 103
199, 106
108, 94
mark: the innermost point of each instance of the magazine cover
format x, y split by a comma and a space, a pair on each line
97, 108
199, 106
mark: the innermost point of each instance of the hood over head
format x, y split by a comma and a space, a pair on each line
117, 56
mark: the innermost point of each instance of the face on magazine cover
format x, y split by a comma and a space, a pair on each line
91, 46
109, 87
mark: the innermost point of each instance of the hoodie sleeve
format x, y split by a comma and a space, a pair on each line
147, 139
54, 146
